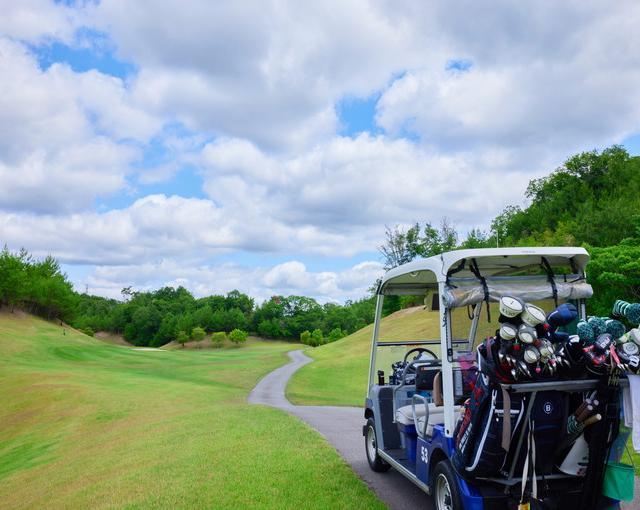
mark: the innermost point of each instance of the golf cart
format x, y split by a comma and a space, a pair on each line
423, 392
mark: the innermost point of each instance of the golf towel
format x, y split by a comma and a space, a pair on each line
634, 412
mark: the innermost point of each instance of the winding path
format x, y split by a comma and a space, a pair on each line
342, 427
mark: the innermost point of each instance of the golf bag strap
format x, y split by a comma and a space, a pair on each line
455, 270
531, 457
476, 272
506, 419
551, 279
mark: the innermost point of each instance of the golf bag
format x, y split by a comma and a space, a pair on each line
491, 418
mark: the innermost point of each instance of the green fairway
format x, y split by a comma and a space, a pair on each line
84, 424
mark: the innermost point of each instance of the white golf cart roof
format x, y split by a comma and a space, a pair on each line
425, 274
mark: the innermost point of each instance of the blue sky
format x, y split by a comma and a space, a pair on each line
151, 145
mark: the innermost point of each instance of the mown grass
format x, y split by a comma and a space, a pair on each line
84, 424
338, 376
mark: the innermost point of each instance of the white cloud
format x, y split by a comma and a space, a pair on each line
60, 134
38, 21
353, 185
158, 226
549, 79
271, 77
289, 278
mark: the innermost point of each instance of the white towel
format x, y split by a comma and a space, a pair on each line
627, 407
634, 387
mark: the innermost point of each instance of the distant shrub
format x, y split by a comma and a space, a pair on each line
237, 336
182, 338
217, 339
88, 331
336, 334
305, 337
317, 338
198, 334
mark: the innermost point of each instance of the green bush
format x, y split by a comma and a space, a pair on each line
336, 334
198, 334
182, 338
217, 339
237, 336
88, 331
317, 338
305, 337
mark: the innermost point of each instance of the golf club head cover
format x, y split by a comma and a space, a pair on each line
630, 311
598, 325
585, 332
565, 314
615, 328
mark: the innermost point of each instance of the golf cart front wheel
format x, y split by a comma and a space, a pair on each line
376, 462
446, 492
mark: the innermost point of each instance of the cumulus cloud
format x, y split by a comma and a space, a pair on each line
289, 278
351, 185
545, 78
158, 226
39, 21
61, 134
271, 77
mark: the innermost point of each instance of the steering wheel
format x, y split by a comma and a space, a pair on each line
409, 367
419, 351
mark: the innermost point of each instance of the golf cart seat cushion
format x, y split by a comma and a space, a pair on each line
435, 419
404, 415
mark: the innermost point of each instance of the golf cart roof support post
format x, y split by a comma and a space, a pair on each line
446, 355
374, 339
583, 309
477, 309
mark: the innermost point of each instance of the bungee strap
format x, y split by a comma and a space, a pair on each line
551, 279
476, 272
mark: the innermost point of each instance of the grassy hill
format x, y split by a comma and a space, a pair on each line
86, 424
338, 376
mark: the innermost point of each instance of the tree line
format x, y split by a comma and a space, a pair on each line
157, 317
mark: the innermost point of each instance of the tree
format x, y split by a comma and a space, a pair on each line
218, 338
237, 336
167, 331
401, 247
305, 338
336, 334
13, 277
203, 316
317, 338
198, 334
182, 338
270, 328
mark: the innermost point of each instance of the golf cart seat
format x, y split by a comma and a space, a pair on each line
404, 416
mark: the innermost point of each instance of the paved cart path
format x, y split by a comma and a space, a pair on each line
342, 427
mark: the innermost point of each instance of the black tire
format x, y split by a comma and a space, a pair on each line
376, 463
446, 491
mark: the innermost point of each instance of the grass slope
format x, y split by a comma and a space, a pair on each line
84, 424
338, 376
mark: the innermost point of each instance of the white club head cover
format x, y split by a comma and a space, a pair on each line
527, 334
533, 315
510, 306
